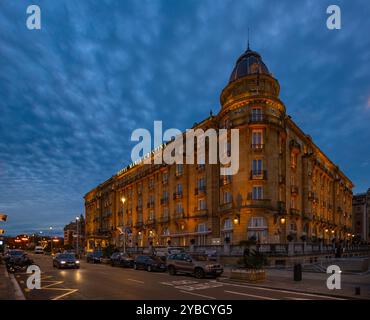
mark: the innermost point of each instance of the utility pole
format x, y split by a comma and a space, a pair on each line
78, 236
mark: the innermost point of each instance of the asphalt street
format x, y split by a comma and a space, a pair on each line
101, 281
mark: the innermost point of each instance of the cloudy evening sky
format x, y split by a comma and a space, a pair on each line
72, 92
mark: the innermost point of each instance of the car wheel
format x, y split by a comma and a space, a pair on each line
135, 266
199, 273
172, 270
149, 268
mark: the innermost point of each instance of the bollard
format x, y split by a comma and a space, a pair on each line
357, 291
297, 272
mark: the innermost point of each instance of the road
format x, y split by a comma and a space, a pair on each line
101, 281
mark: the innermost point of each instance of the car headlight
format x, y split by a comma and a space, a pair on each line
62, 262
77, 261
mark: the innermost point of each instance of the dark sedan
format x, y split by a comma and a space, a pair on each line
121, 259
94, 257
65, 260
149, 263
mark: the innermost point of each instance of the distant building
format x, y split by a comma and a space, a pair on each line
361, 215
73, 231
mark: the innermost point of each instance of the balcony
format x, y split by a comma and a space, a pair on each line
150, 205
199, 213
294, 189
257, 146
295, 212
164, 201
257, 118
177, 195
164, 219
258, 175
200, 191
139, 208
226, 206
164, 181
179, 215
258, 203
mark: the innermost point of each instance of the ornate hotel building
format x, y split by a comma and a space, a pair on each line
286, 187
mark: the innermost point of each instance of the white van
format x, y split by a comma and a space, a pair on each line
39, 250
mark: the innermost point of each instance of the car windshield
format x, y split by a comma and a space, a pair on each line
66, 256
16, 253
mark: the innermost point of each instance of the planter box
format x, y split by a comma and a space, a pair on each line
248, 275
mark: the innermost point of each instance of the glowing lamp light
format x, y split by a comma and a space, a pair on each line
123, 199
236, 220
282, 220
332, 231
326, 230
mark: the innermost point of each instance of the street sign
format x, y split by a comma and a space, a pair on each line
3, 216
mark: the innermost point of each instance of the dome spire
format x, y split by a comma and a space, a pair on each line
248, 40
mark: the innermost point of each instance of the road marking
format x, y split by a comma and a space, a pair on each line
138, 281
65, 294
286, 291
292, 298
53, 283
199, 295
251, 295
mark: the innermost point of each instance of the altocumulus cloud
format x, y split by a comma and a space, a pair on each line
72, 93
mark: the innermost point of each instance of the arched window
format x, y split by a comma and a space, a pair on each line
257, 229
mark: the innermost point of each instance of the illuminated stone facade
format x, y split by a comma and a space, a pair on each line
286, 187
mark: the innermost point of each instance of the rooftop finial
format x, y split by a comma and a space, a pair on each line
248, 40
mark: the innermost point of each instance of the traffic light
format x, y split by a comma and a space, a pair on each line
3, 217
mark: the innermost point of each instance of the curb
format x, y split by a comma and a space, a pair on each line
17, 289
227, 280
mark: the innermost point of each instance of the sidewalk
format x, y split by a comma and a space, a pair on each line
7, 289
312, 283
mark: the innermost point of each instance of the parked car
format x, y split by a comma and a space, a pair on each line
39, 250
198, 265
149, 263
65, 260
94, 257
13, 253
17, 260
121, 259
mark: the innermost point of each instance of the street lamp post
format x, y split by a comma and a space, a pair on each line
123, 199
51, 240
78, 239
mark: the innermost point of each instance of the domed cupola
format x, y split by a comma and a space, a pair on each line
250, 62
250, 78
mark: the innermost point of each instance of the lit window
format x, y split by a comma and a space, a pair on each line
257, 139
